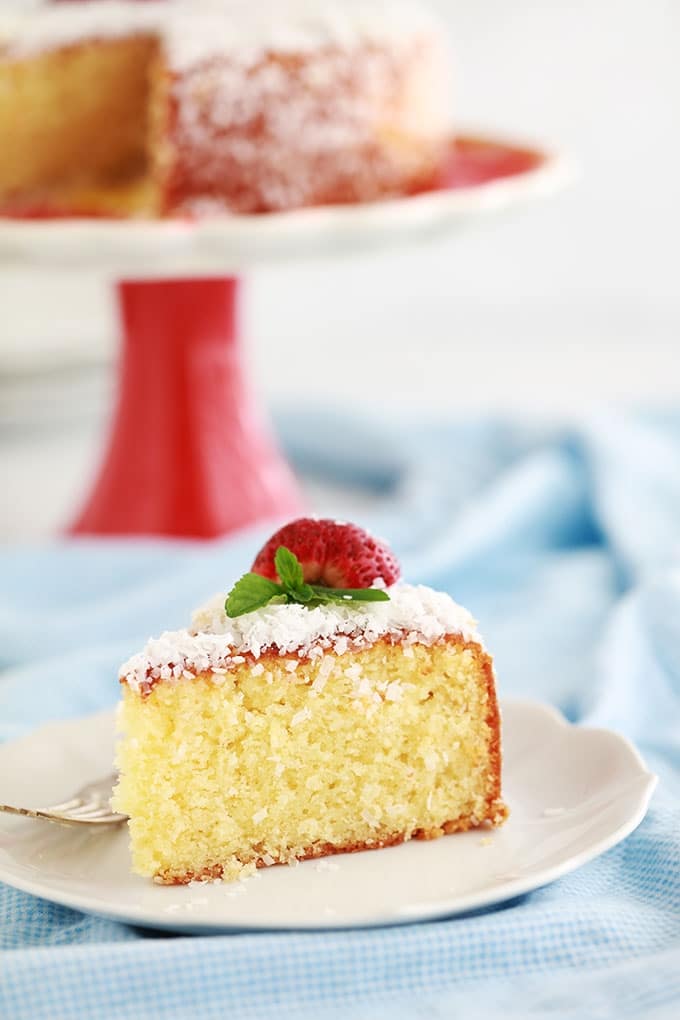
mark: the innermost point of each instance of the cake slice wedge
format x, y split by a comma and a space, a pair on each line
301, 729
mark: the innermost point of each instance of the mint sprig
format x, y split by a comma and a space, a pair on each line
253, 591
289, 569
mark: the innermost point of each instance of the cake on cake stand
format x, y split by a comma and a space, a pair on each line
190, 453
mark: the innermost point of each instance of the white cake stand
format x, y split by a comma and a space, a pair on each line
190, 453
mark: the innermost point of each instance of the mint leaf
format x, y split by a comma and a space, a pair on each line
289, 569
303, 594
254, 591
250, 593
292, 577
349, 594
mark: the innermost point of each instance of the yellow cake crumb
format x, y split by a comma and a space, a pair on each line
344, 752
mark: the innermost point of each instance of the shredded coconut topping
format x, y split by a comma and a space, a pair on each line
194, 30
216, 644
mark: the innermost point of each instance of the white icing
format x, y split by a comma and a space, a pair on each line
193, 30
414, 615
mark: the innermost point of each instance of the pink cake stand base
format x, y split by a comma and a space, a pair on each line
190, 453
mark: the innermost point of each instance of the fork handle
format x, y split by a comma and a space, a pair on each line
27, 812
49, 816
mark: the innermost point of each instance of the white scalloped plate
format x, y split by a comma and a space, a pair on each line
573, 793
223, 244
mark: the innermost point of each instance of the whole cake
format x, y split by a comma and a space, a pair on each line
321, 707
192, 108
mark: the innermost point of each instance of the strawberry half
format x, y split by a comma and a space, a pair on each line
331, 553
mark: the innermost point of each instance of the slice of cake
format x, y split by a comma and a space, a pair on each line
326, 708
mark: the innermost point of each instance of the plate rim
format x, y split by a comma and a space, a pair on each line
456, 906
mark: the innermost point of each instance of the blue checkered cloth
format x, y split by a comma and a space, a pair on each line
567, 547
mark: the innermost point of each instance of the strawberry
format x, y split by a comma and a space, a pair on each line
333, 554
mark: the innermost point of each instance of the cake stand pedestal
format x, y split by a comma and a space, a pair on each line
190, 454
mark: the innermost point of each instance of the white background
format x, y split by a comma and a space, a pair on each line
563, 306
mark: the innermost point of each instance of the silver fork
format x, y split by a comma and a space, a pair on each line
89, 806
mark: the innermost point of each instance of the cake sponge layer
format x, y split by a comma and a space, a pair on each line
288, 759
75, 117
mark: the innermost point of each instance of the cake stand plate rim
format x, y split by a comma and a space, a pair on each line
231, 244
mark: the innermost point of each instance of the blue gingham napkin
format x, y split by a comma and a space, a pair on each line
567, 547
